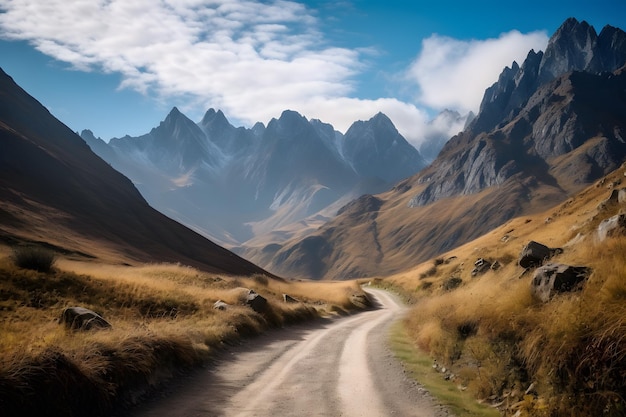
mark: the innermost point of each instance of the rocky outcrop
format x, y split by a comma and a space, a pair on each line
552, 279
538, 112
613, 226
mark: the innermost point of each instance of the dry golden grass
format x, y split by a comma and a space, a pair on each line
562, 358
162, 319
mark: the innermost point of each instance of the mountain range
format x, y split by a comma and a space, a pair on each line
237, 184
545, 130
302, 200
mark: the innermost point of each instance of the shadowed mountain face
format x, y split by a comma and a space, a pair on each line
54, 189
546, 129
235, 184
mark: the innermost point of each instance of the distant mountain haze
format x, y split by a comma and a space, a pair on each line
545, 130
237, 184
54, 189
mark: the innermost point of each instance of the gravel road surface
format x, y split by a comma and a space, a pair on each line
342, 367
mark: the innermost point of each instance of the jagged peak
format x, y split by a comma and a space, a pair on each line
87, 133
572, 29
213, 117
174, 112
174, 116
571, 24
291, 115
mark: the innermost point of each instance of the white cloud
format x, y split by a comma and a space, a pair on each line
252, 59
454, 74
227, 52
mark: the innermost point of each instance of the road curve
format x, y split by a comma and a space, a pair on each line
340, 368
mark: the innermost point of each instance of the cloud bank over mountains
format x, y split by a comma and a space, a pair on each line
255, 59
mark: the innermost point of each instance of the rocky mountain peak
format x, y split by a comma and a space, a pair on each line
575, 46
213, 117
537, 112
376, 149
572, 47
214, 123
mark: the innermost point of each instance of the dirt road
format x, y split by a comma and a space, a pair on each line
340, 368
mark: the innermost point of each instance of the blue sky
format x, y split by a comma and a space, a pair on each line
118, 66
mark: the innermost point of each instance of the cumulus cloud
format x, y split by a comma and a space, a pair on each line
454, 74
252, 59
236, 55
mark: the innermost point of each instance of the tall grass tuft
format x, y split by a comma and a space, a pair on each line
34, 258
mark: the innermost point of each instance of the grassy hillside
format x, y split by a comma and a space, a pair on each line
162, 318
566, 357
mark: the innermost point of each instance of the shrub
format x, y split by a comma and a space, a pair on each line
261, 279
452, 283
37, 259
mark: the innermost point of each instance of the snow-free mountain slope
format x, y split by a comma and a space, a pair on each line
54, 189
533, 144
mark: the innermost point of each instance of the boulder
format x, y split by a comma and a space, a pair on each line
613, 226
80, 318
535, 254
556, 278
255, 301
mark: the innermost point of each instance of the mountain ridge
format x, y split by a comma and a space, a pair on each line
531, 146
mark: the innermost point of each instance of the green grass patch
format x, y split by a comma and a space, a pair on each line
420, 365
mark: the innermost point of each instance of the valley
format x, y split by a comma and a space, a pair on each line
259, 271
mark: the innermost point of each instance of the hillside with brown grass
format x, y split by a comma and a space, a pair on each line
564, 357
163, 322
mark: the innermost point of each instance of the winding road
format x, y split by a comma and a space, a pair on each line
340, 368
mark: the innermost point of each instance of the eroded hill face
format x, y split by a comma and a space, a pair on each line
546, 130
54, 189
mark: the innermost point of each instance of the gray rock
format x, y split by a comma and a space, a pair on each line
481, 266
612, 226
555, 278
80, 318
534, 254
256, 301
289, 299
